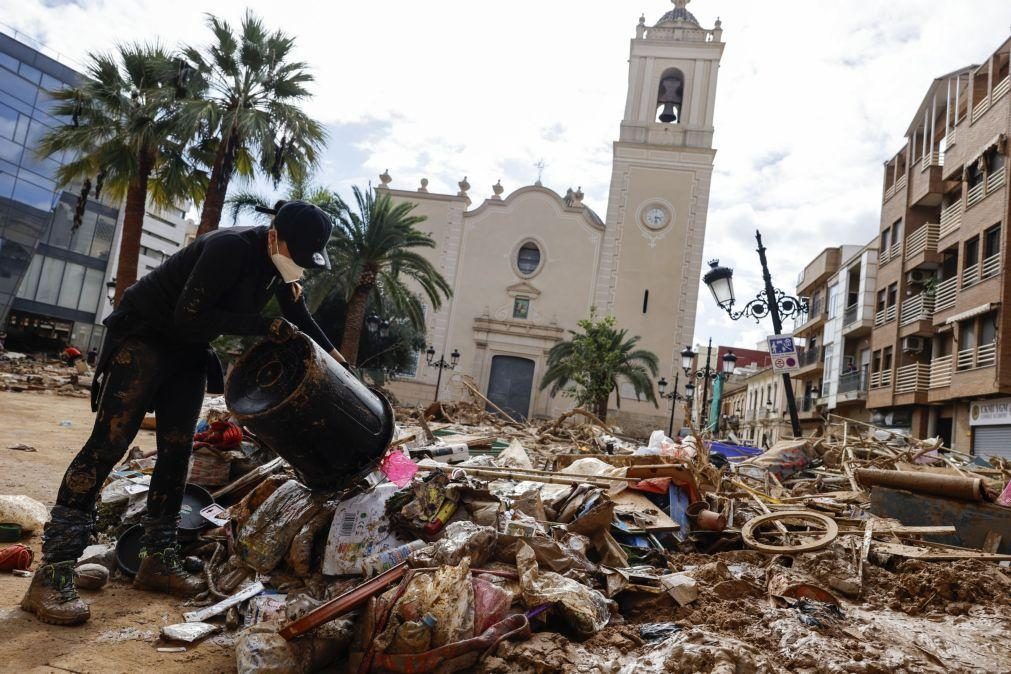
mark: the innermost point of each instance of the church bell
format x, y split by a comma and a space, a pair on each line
671, 95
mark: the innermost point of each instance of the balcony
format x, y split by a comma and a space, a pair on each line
853, 385
940, 372
951, 219
1001, 88
991, 267
882, 379
945, 294
814, 318
885, 315
980, 108
850, 315
930, 159
810, 359
919, 308
912, 378
976, 357
970, 275
995, 180
900, 184
922, 241
976, 193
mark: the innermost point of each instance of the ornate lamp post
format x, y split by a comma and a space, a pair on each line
770, 301
707, 373
441, 364
674, 397
110, 292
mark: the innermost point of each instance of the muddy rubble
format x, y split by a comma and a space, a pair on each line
483, 544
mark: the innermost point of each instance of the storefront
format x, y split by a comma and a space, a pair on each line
990, 421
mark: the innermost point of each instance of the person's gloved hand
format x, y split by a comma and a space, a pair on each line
281, 330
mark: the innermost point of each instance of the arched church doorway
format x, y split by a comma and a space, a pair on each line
511, 384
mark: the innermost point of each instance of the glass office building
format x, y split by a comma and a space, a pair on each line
52, 277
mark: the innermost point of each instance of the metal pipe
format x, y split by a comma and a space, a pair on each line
950, 486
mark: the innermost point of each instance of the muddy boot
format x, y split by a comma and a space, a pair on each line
163, 571
52, 596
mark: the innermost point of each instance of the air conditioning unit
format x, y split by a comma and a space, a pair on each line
919, 276
913, 344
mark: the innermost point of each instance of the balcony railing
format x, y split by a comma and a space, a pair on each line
884, 315
896, 250
923, 240
980, 108
970, 275
853, 381
945, 294
912, 378
883, 255
1001, 88
952, 137
919, 308
930, 159
851, 314
901, 182
995, 180
807, 403
882, 379
810, 356
991, 266
976, 193
979, 356
951, 219
940, 371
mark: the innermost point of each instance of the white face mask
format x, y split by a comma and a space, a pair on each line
290, 272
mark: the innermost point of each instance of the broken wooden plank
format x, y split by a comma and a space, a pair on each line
991, 542
935, 555
864, 551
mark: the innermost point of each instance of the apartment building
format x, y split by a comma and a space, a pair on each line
937, 364
765, 417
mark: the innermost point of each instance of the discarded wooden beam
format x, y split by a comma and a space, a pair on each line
950, 486
935, 555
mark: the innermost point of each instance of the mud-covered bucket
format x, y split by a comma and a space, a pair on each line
310, 410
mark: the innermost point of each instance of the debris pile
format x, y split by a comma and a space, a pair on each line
483, 544
20, 373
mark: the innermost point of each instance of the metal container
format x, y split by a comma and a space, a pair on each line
310, 410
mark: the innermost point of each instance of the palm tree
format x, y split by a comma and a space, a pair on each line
123, 130
247, 109
375, 248
590, 366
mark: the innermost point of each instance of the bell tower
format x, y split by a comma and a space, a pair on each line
659, 194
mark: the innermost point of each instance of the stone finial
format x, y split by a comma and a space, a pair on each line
385, 179
568, 196
424, 185
497, 189
577, 196
464, 186
640, 29
718, 30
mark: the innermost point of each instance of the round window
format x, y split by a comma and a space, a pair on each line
528, 259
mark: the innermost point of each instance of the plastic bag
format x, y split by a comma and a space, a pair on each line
23, 510
460, 539
265, 538
584, 609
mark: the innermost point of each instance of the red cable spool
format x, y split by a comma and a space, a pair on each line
16, 557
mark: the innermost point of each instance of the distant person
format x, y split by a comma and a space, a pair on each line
92, 357
157, 355
3, 339
72, 354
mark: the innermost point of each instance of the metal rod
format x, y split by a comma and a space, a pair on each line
438, 380
673, 405
705, 385
777, 327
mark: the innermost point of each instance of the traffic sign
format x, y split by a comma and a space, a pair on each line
784, 354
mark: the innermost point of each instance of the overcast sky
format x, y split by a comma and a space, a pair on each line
813, 96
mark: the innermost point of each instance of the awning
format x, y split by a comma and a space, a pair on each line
976, 311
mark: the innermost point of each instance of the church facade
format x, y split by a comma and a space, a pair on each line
526, 267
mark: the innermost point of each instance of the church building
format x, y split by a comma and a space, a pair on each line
527, 266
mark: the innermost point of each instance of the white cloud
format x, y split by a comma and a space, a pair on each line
813, 97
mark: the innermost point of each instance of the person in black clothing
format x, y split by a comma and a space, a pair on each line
92, 357
157, 356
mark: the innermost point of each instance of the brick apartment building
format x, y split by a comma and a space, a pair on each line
938, 364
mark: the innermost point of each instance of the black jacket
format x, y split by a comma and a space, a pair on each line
217, 285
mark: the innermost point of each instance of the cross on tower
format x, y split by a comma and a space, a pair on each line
540, 166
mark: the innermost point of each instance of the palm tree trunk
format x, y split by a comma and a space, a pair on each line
217, 187
601, 410
133, 225
354, 321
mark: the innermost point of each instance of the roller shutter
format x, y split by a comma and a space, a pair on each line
992, 441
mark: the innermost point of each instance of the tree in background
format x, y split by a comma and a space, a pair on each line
590, 366
247, 110
124, 132
375, 249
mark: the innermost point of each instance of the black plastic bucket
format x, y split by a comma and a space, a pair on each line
310, 410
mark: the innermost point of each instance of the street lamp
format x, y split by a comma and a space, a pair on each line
110, 291
674, 397
441, 364
372, 323
707, 373
769, 301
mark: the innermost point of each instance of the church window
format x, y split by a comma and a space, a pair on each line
521, 307
528, 260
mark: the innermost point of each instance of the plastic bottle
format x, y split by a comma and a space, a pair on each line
375, 564
436, 524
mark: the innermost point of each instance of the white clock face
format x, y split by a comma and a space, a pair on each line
655, 217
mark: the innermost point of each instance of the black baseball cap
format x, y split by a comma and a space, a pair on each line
306, 228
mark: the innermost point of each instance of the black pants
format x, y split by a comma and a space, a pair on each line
140, 375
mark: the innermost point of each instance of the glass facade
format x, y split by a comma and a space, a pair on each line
51, 276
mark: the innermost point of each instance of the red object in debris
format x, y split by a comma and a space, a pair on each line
17, 557
221, 434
